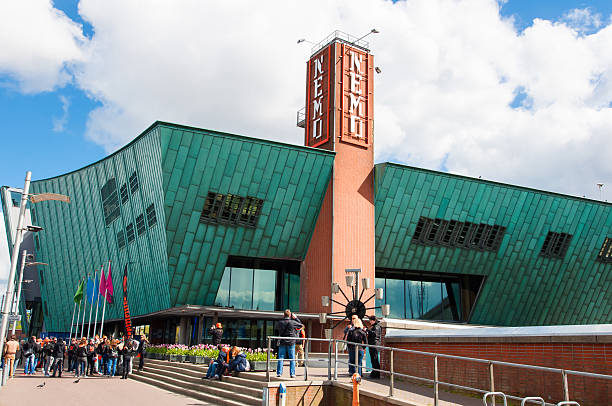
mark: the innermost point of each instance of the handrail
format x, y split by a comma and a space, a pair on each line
333, 344
494, 394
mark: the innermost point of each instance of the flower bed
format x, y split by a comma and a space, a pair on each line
201, 350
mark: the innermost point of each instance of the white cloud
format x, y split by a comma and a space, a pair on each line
38, 44
451, 71
59, 123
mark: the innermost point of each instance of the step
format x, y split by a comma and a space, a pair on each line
243, 378
206, 397
204, 387
227, 384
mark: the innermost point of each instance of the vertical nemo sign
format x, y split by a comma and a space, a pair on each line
357, 100
318, 96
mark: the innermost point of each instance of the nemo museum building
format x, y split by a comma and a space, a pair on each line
217, 227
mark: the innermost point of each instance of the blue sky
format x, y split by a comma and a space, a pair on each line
45, 131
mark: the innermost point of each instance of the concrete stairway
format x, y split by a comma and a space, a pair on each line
186, 379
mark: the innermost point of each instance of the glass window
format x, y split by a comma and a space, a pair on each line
110, 201
15, 198
241, 288
121, 239
294, 292
264, 289
129, 230
151, 217
222, 298
133, 182
123, 192
140, 224
413, 307
431, 295
394, 293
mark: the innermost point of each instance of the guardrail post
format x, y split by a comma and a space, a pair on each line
565, 387
306, 363
391, 383
491, 381
357, 360
436, 394
329, 358
335, 360
268, 359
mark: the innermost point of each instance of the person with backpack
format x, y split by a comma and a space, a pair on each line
81, 357
91, 357
374, 338
103, 351
28, 356
38, 352
58, 354
355, 335
287, 327
47, 350
238, 361
128, 353
113, 354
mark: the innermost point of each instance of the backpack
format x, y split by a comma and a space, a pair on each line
351, 335
248, 366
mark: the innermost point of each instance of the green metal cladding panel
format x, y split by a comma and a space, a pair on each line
291, 180
76, 240
521, 287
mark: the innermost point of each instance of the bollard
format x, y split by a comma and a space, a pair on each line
356, 379
282, 394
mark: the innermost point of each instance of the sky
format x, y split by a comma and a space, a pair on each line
515, 91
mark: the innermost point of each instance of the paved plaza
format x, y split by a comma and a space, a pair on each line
24, 390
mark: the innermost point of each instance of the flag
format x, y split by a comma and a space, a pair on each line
102, 289
109, 286
78, 296
96, 287
90, 289
126, 309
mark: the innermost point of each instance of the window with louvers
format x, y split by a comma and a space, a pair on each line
133, 183
231, 209
110, 201
121, 239
140, 224
555, 245
129, 230
458, 234
123, 192
151, 216
605, 253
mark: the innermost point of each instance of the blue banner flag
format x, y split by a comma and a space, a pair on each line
90, 289
96, 288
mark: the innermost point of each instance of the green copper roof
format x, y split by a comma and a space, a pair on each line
521, 287
290, 180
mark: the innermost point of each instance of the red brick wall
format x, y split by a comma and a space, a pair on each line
587, 357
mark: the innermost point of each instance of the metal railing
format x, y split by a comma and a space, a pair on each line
301, 118
333, 361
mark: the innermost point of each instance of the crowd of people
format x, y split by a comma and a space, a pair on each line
98, 356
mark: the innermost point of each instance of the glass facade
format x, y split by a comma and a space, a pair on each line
420, 296
258, 289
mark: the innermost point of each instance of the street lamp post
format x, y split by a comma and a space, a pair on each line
8, 301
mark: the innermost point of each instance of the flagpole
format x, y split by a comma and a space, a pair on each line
104, 305
76, 327
83, 321
97, 304
91, 307
72, 322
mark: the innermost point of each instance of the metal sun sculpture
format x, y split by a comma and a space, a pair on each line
354, 306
